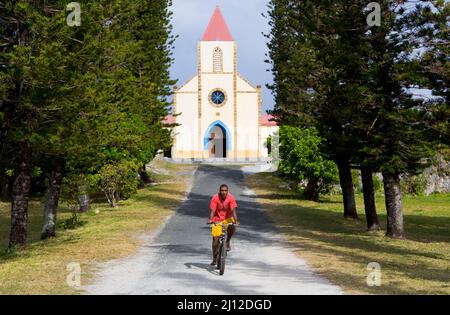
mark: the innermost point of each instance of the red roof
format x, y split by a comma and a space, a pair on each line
265, 121
217, 29
169, 120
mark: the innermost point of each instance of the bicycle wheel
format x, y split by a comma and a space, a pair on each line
219, 256
222, 258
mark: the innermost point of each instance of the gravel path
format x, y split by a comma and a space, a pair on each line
176, 259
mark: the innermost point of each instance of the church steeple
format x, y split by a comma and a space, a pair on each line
217, 29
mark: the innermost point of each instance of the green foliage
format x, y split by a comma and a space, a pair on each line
356, 179
36, 172
430, 32
118, 180
268, 144
88, 95
377, 183
301, 158
349, 81
71, 223
74, 186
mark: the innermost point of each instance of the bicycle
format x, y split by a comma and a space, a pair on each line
222, 247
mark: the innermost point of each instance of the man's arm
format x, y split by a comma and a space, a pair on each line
212, 208
235, 215
211, 215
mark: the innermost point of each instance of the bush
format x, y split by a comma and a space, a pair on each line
118, 180
71, 223
302, 160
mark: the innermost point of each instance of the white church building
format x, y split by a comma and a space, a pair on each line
218, 112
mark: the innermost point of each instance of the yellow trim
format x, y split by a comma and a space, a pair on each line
259, 88
186, 154
217, 72
235, 99
199, 96
175, 88
247, 154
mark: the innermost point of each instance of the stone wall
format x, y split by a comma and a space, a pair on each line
438, 177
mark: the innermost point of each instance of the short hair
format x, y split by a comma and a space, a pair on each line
223, 186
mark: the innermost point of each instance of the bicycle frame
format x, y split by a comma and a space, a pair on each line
222, 247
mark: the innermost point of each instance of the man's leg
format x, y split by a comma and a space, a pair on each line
230, 231
215, 249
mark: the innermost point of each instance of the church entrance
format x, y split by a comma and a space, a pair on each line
217, 144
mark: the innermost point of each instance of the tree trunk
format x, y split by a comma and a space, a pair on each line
312, 190
52, 200
348, 193
83, 200
293, 184
6, 182
369, 199
20, 197
394, 206
143, 175
111, 196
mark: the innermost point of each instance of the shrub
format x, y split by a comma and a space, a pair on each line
302, 160
118, 180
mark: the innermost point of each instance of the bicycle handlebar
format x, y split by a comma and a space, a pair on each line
218, 223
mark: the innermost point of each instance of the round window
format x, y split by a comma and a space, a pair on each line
217, 98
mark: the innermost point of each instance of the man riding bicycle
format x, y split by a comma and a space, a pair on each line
223, 210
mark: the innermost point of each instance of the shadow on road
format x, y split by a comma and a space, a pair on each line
207, 267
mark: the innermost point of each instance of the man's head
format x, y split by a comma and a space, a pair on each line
223, 191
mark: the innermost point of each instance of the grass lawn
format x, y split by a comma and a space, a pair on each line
340, 249
106, 235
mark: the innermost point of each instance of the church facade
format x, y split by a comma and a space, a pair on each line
218, 111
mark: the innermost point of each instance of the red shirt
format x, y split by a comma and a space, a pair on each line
222, 208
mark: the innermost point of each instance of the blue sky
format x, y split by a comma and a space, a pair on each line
246, 24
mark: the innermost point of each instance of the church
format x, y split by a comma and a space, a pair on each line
218, 112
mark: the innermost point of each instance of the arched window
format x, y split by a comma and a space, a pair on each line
217, 59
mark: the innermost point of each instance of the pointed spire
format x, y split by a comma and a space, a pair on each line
217, 29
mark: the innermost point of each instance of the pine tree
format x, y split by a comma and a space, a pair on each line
430, 68
75, 99
27, 94
352, 82
315, 49
398, 142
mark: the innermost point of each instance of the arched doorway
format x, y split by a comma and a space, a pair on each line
217, 140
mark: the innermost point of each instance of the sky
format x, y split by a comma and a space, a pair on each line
246, 24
